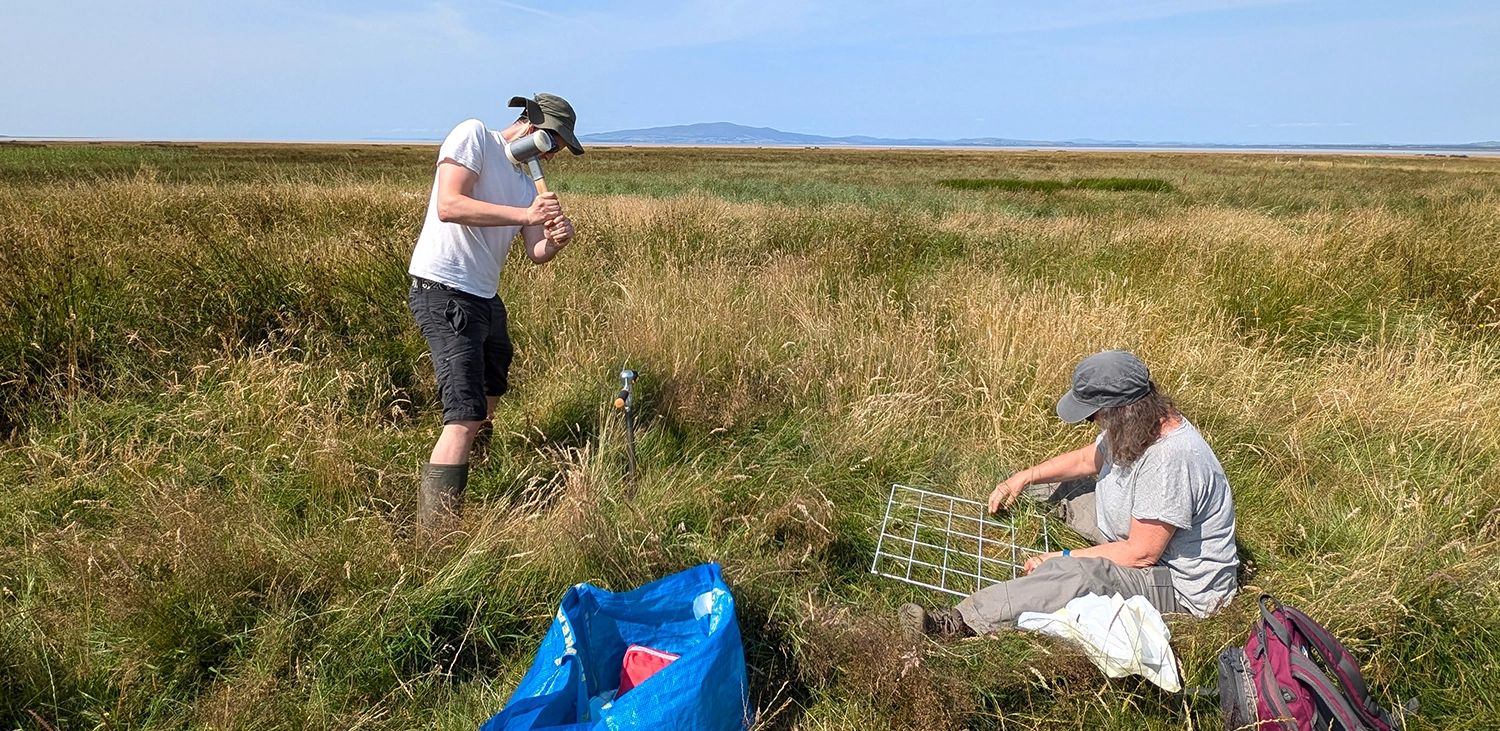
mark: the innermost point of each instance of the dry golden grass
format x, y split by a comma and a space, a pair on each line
216, 401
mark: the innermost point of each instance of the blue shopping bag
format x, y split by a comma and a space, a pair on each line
690, 614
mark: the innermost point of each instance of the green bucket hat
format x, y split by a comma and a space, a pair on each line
552, 113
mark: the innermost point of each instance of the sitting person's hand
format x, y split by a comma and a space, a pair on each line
1005, 493
1037, 560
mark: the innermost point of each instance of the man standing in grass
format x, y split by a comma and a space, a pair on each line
479, 202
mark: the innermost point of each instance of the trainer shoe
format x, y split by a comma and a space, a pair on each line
917, 621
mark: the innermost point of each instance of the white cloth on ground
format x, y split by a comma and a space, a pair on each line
1121, 636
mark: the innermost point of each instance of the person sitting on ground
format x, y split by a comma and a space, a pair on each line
1160, 514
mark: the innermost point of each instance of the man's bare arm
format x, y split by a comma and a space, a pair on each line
456, 204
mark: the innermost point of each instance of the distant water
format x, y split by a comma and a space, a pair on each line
1430, 151
1421, 151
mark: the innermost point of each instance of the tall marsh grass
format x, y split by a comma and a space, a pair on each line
214, 402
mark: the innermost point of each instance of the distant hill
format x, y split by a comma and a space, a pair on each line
728, 133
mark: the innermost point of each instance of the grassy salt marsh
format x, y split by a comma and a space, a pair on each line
213, 402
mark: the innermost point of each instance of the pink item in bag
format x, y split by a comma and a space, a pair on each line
642, 662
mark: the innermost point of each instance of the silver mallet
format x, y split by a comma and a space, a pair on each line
526, 150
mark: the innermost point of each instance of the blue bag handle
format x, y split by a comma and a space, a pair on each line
583, 684
527, 713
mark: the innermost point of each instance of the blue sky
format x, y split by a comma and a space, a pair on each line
1239, 71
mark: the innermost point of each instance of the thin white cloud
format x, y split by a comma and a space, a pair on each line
529, 9
641, 26
1057, 16
441, 22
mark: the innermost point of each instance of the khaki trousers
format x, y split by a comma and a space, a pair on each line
1064, 578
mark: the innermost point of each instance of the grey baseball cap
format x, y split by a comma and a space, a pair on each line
552, 113
1104, 380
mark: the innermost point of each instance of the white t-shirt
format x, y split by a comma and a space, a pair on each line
471, 257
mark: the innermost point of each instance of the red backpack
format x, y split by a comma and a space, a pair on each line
1275, 682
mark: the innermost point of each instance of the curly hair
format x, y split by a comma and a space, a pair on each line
1130, 429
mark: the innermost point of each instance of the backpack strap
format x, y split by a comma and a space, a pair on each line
1269, 619
1344, 668
1329, 700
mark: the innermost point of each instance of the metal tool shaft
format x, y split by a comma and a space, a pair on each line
626, 400
536, 176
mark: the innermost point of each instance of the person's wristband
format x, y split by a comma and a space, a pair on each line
1067, 552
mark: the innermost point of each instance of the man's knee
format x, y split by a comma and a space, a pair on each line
465, 429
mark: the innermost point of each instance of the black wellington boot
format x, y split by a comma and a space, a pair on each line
440, 499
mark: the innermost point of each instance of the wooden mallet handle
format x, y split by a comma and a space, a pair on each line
536, 176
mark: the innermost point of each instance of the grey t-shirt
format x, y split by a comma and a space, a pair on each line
1179, 481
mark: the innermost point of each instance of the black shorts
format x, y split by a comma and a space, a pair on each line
470, 344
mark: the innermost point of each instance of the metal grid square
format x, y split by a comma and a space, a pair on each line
951, 544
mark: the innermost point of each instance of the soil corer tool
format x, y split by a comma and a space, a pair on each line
626, 400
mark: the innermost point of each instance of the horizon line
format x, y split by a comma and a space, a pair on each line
1481, 148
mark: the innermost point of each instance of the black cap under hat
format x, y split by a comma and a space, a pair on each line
552, 113
1104, 380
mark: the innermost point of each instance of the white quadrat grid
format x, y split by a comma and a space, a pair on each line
951, 544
